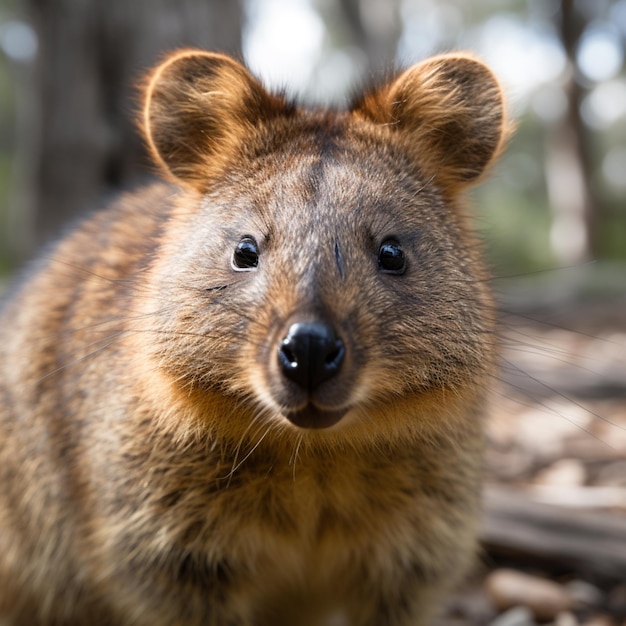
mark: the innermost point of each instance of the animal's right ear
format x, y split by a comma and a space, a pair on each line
199, 108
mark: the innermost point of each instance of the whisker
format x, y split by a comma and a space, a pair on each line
567, 398
294, 457
237, 465
565, 328
115, 336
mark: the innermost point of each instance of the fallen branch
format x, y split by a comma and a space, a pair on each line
589, 543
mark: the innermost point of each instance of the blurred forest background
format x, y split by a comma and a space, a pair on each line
69, 70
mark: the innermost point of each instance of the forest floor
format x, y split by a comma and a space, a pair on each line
554, 529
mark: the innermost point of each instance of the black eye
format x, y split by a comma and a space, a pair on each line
391, 258
246, 254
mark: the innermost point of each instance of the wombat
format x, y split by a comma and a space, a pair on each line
253, 393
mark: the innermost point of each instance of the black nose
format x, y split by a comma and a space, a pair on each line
310, 354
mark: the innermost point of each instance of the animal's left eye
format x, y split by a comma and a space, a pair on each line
391, 259
246, 254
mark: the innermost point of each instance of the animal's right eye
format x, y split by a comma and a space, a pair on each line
246, 255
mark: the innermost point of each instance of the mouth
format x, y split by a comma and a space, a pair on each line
312, 417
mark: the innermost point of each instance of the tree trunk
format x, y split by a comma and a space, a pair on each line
567, 167
374, 27
92, 55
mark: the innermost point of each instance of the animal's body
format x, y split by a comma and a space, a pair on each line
254, 395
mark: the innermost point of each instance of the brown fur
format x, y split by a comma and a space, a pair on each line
150, 476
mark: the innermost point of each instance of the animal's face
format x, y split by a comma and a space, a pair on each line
321, 268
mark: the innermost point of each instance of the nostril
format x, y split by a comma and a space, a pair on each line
288, 358
310, 354
335, 357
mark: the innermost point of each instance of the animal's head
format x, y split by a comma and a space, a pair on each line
318, 270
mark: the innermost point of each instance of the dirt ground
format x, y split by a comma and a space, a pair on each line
556, 472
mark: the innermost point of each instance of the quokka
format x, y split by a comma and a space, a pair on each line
253, 394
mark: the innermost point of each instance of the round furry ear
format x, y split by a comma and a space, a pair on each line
199, 108
450, 109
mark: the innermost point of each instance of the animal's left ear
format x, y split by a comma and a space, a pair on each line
450, 112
